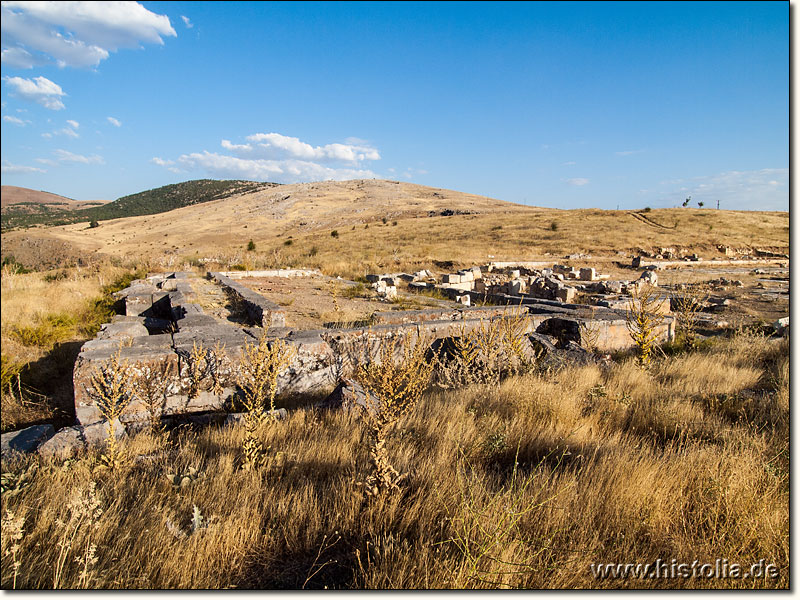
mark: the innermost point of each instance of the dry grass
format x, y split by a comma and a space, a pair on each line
501, 229
521, 485
46, 316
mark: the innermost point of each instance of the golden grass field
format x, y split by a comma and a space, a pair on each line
521, 484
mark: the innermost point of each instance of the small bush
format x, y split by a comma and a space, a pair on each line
553, 226
394, 223
647, 209
238, 267
334, 234
251, 246
288, 242
93, 224
314, 251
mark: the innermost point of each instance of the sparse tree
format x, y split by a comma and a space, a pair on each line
700, 204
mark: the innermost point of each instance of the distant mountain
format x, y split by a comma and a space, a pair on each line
62, 211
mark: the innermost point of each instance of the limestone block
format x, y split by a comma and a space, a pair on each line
566, 294
97, 433
516, 287
476, 273
466, 276
25, 440
587, 274
373, 278
465, 299
515, 274
480, 286
126, 329
451, 278
64, 444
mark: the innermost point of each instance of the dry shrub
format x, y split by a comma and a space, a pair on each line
603, 489
642, 319
394, 382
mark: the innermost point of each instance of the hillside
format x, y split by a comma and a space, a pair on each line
392, 224
19, 204
149, 202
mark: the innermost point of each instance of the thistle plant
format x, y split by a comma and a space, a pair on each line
258, 373
110, 388
150, 384
642, 319
197, 367
686, 305
394, 383
12, 535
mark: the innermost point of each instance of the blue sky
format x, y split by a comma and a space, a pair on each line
552, 104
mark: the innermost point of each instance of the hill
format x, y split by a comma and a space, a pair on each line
153, 201
351, 226
19, 204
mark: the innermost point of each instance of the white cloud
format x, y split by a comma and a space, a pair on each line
46, 161
764, 189
76, 34
7, 167
187, 22
275, 145
281, 171
39, 89
114, 122
169, 165
65, 156
283, 159
579, 181
73, 124
15, 120
628, 152
569, 163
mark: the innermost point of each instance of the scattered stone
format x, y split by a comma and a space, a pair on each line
781, 326
649, 277
465, 299
25, 440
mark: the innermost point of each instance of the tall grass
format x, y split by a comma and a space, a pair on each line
521, 484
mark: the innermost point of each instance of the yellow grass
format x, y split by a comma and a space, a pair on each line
222, 229
597, 481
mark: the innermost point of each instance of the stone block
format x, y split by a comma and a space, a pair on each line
515, 274
373, 278
64, 444
476, 273
465, 299
25, 440
516, 287
587, 274
479, 286
565, 294
451, 278
466, 276
97, 433
126, 329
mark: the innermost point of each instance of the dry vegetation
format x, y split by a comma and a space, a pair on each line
518, 485
523, 478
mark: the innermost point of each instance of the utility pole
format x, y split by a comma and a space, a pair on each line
717, 203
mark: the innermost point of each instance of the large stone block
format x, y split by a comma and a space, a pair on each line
64, 444
25, 440
588, 274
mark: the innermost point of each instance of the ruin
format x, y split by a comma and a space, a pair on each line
168, 316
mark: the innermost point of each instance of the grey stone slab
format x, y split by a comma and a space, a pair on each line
64, 444
97, 433
25, 440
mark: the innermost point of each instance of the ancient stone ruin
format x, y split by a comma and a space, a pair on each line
164, 323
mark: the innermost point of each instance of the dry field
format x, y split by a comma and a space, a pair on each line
386, 225
523, 483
